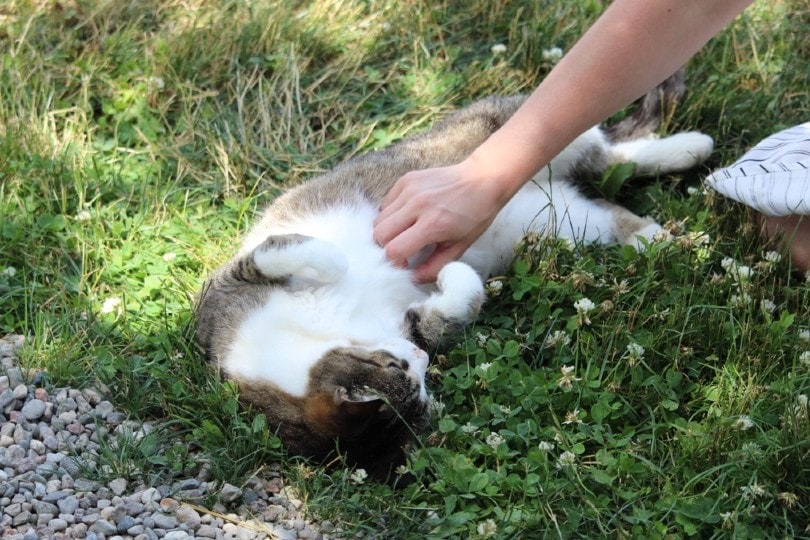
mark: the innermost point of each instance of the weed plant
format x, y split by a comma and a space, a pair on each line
603, 393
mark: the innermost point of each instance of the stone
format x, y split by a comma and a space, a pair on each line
125, 524
186, 515
206, 531
20, 391
33, 410
58, 524
164, 521
230, 493
118, 486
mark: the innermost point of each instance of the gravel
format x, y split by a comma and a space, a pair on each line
48, 438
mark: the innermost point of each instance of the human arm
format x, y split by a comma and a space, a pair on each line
633, 46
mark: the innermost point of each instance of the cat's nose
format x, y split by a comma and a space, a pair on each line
419, 361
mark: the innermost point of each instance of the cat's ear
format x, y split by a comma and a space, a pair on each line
358, 407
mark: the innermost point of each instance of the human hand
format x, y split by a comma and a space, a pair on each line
449, 207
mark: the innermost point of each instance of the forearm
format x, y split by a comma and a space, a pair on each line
635, 45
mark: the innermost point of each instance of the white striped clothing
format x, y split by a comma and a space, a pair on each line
773, 177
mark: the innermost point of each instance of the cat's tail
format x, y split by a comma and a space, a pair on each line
651, 110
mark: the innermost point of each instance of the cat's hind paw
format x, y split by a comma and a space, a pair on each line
646, 235
688, 149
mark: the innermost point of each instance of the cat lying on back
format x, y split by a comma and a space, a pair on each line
326, 338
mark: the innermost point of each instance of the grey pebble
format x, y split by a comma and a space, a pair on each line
230, 493
6, 397
102, 526
125, 524
164, 521
33, 409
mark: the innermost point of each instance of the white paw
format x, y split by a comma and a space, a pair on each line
685, 150
649, 233
313, 259
460, 294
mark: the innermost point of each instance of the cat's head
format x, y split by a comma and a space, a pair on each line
369, 400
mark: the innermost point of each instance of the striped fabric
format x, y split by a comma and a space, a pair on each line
773, 177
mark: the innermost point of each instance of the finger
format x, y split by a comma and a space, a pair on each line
394, 193
408, 242
389, 227
429, 270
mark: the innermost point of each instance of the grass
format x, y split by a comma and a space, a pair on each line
137, 140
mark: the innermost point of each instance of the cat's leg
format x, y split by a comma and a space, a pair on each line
280, 257
628, 228
668, 154
454, 305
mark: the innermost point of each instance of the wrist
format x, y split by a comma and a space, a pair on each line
500, 179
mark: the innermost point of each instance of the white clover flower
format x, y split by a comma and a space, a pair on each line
402, 469
744, 423
494, 287
156, 83
572, 417
583, 307
505, 409
804, 335
494, 440
567, 244
566, 459
553, 54
772, 257
692, 191
635, 352
728, 518
567, 379
751, 451
498, 48
661, 236
788, 499
753, 491
170, 256
546, 446
728, 263
740, 300
485, 366
767, 305
480, 339
699, 238
487, 529
83, 215
110, 305
358, 476
744, 273
9, 272
804, 358
469, 428
800, 409
436, 405
558, 337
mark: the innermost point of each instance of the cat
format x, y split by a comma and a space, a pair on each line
329, 340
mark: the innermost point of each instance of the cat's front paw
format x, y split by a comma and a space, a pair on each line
460, 294
301, 257
447, 311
